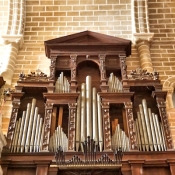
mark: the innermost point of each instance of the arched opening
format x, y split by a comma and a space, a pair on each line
90, 68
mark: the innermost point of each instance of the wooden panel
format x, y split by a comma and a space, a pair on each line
156, 171
21, 171
63, 63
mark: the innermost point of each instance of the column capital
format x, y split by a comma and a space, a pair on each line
140, 37
18, 39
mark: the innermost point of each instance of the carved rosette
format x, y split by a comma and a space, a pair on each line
73, 59
102, 67
162, 109
106, 127
12, 122
130, 123
52, 68
47, 125
123, 66
71, 128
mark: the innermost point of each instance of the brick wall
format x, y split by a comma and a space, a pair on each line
3, 16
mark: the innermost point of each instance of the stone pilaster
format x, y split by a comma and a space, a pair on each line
143, 47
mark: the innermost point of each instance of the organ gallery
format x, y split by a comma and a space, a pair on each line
90, 115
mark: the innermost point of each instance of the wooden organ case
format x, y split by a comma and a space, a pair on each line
90, 116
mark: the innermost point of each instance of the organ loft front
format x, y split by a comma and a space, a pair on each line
90, 115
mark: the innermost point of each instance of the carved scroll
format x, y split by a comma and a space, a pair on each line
12, 123
123, 66
166, 128
47, 126
131, 129
71, 127
106, 127
52, 68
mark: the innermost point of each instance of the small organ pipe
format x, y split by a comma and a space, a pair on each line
147, 124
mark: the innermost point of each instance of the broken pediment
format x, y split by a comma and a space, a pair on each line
87, 42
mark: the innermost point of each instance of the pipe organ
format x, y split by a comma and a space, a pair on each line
90, 115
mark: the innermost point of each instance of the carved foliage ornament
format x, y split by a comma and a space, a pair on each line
72, 115
52, 68
102, 66
47, 125
132, 134
106, 120
140, 74
73, 66
123, 66
33, 76
162, 109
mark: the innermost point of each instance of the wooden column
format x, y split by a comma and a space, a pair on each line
160, 98
104, 86
73, 60
130, 125
13, 118
123, 66
52, 68
71, 126
47, 126
106, 127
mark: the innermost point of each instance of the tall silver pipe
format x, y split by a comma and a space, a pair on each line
88, 106
78, 120
144, 127
145, 109
25, 127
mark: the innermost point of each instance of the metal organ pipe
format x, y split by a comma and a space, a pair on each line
26, 137
149, 130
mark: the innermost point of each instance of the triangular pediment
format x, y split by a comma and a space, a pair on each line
86, 38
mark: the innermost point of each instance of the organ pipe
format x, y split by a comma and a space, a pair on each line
28, 135
149, 130
62, 84
114, 84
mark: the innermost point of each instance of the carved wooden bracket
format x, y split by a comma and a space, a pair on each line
106, 127
73, 61
47, 126
71, 126
52, 68
130, 123
123, 66
12, 123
